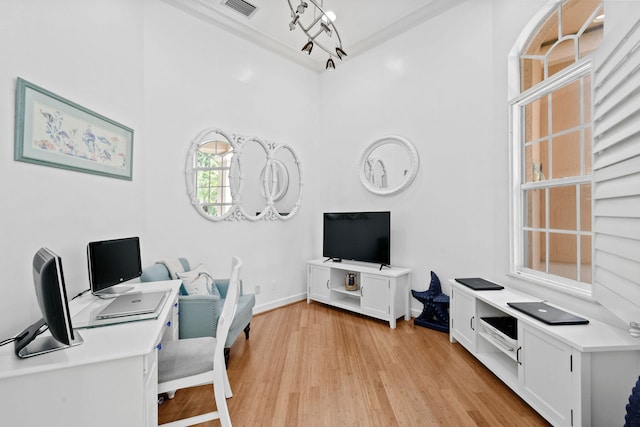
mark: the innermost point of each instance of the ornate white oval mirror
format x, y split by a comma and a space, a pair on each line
213, 174
389, 165
230, 177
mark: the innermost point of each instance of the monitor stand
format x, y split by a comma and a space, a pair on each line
31, 344
112, 291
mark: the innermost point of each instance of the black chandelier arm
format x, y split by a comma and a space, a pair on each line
297, 21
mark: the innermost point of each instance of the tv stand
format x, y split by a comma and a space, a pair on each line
382, 294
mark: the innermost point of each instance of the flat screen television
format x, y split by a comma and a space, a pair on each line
113, 262
51, 293
358, 236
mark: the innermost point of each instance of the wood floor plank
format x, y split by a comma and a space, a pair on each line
314, 365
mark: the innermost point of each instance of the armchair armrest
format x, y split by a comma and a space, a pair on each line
198, 315
223, 285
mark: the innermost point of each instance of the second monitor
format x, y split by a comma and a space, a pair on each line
112, 263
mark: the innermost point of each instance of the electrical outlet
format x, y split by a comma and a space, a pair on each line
257, 289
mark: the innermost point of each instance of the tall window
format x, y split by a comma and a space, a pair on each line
552, 142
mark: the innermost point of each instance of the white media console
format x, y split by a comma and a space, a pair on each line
573, 375
109, 380
381, 293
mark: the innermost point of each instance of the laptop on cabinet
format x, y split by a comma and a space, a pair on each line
479, 284
548, 314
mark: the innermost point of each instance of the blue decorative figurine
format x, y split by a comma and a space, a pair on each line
632, 419
435, 314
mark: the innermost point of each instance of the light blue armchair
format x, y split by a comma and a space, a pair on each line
199, 313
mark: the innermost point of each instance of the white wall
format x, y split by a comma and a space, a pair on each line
88, 52
431, 85
198, 77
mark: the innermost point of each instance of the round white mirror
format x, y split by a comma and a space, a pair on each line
389, 165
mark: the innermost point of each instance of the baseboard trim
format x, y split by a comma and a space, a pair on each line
272, 305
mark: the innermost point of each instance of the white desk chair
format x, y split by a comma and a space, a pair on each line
196, 361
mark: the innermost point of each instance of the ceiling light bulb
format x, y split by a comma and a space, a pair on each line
301, 7
340, 52
330, 15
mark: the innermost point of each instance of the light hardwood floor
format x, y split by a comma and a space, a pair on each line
314, 365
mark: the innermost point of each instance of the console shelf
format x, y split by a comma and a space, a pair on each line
381, 293
573, 375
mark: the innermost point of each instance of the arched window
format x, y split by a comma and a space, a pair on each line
552, 146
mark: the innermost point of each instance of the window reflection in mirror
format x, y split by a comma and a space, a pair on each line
389, 165
213, 161
376, 172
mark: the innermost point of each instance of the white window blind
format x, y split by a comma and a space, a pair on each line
616, 176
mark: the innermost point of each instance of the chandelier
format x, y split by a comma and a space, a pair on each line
319, 28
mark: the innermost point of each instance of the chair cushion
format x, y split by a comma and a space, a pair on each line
185, 357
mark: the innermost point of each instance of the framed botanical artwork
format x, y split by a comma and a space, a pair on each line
53, 131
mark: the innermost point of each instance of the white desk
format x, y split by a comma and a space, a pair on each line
109, 380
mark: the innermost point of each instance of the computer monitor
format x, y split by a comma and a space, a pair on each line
48, 280
113, 262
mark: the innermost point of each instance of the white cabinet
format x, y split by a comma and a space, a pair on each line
464, 307
545, 372
375, 295
381, 293
573, 375
318, 283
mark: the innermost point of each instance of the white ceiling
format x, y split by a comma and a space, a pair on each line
362, 24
